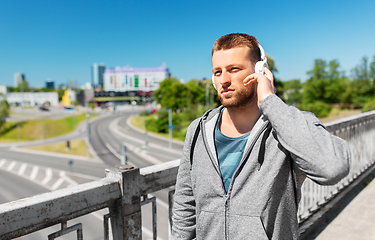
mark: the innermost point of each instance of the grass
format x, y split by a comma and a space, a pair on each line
137, 121
337, 114
77, 147
32, 130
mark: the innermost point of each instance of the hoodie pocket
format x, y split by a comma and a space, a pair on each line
210, 225
246, 227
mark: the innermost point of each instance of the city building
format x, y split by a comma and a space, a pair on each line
18, 78
50, 84
33, 98
134, 79
3, 89
97, 74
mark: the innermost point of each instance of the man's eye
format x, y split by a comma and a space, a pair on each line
217, 73
234, 69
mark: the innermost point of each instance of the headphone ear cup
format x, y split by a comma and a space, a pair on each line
259, 66
213, 81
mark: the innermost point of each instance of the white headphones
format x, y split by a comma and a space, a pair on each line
259, 66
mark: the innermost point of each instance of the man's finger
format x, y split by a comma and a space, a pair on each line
249, 79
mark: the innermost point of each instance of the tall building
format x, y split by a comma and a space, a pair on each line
50, 84
18, 78
97, 74
134, 79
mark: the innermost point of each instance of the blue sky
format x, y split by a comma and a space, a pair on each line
60, 39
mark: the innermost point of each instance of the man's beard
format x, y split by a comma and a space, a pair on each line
242, 98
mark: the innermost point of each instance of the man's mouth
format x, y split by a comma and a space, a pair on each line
226, 91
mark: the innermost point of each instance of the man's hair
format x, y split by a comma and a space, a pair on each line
235, 40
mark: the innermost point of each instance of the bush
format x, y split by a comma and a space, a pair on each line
320, 109
369, 105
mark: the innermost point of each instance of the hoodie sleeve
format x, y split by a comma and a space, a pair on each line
323, 157
184, 214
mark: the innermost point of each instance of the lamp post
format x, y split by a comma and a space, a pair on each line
87, 128
170, 127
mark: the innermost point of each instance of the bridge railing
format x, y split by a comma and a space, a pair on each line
125, 189
359, 132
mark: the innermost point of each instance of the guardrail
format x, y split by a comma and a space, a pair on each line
125, 189
359, 132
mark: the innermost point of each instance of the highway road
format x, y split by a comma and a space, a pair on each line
24, 173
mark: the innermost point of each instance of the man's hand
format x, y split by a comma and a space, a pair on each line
265, 86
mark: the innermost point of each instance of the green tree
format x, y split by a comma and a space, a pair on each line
325, 86
372, 70
23, 86
362, 88
292, 91
171, 94
271, 64
195, 92
277, 82
4, 110
319, 70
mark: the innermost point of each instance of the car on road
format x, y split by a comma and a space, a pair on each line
42, 108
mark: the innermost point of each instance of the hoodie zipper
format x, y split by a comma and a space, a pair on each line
227, 194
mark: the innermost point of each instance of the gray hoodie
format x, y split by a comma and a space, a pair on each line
284, 146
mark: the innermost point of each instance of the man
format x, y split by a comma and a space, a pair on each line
250, 155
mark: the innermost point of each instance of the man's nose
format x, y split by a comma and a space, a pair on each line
225, 79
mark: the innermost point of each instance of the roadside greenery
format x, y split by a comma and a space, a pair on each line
77, 147
36, 129
4, 110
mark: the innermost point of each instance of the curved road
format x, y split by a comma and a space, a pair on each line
107, 134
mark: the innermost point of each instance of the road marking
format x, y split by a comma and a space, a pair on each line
142, 153
11, 166
136, 150
34, 172
57, 184
22, 169
68, 179
48, 176
113, 151
2, 162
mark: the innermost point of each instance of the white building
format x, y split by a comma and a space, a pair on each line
18, 78
3, 89
33, 98
134, 79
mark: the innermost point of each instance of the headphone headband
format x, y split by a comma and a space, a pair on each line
259, 66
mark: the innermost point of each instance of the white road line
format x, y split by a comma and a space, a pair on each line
48, 176
22, 169
11, 166
2, 162
113, 151
137, 150
68, 179
34, 173
57, 184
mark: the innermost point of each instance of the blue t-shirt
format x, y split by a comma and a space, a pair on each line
229, 153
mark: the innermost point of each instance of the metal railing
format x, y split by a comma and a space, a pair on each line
359, 132
125, 189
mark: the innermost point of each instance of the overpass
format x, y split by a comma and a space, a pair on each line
125, 189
